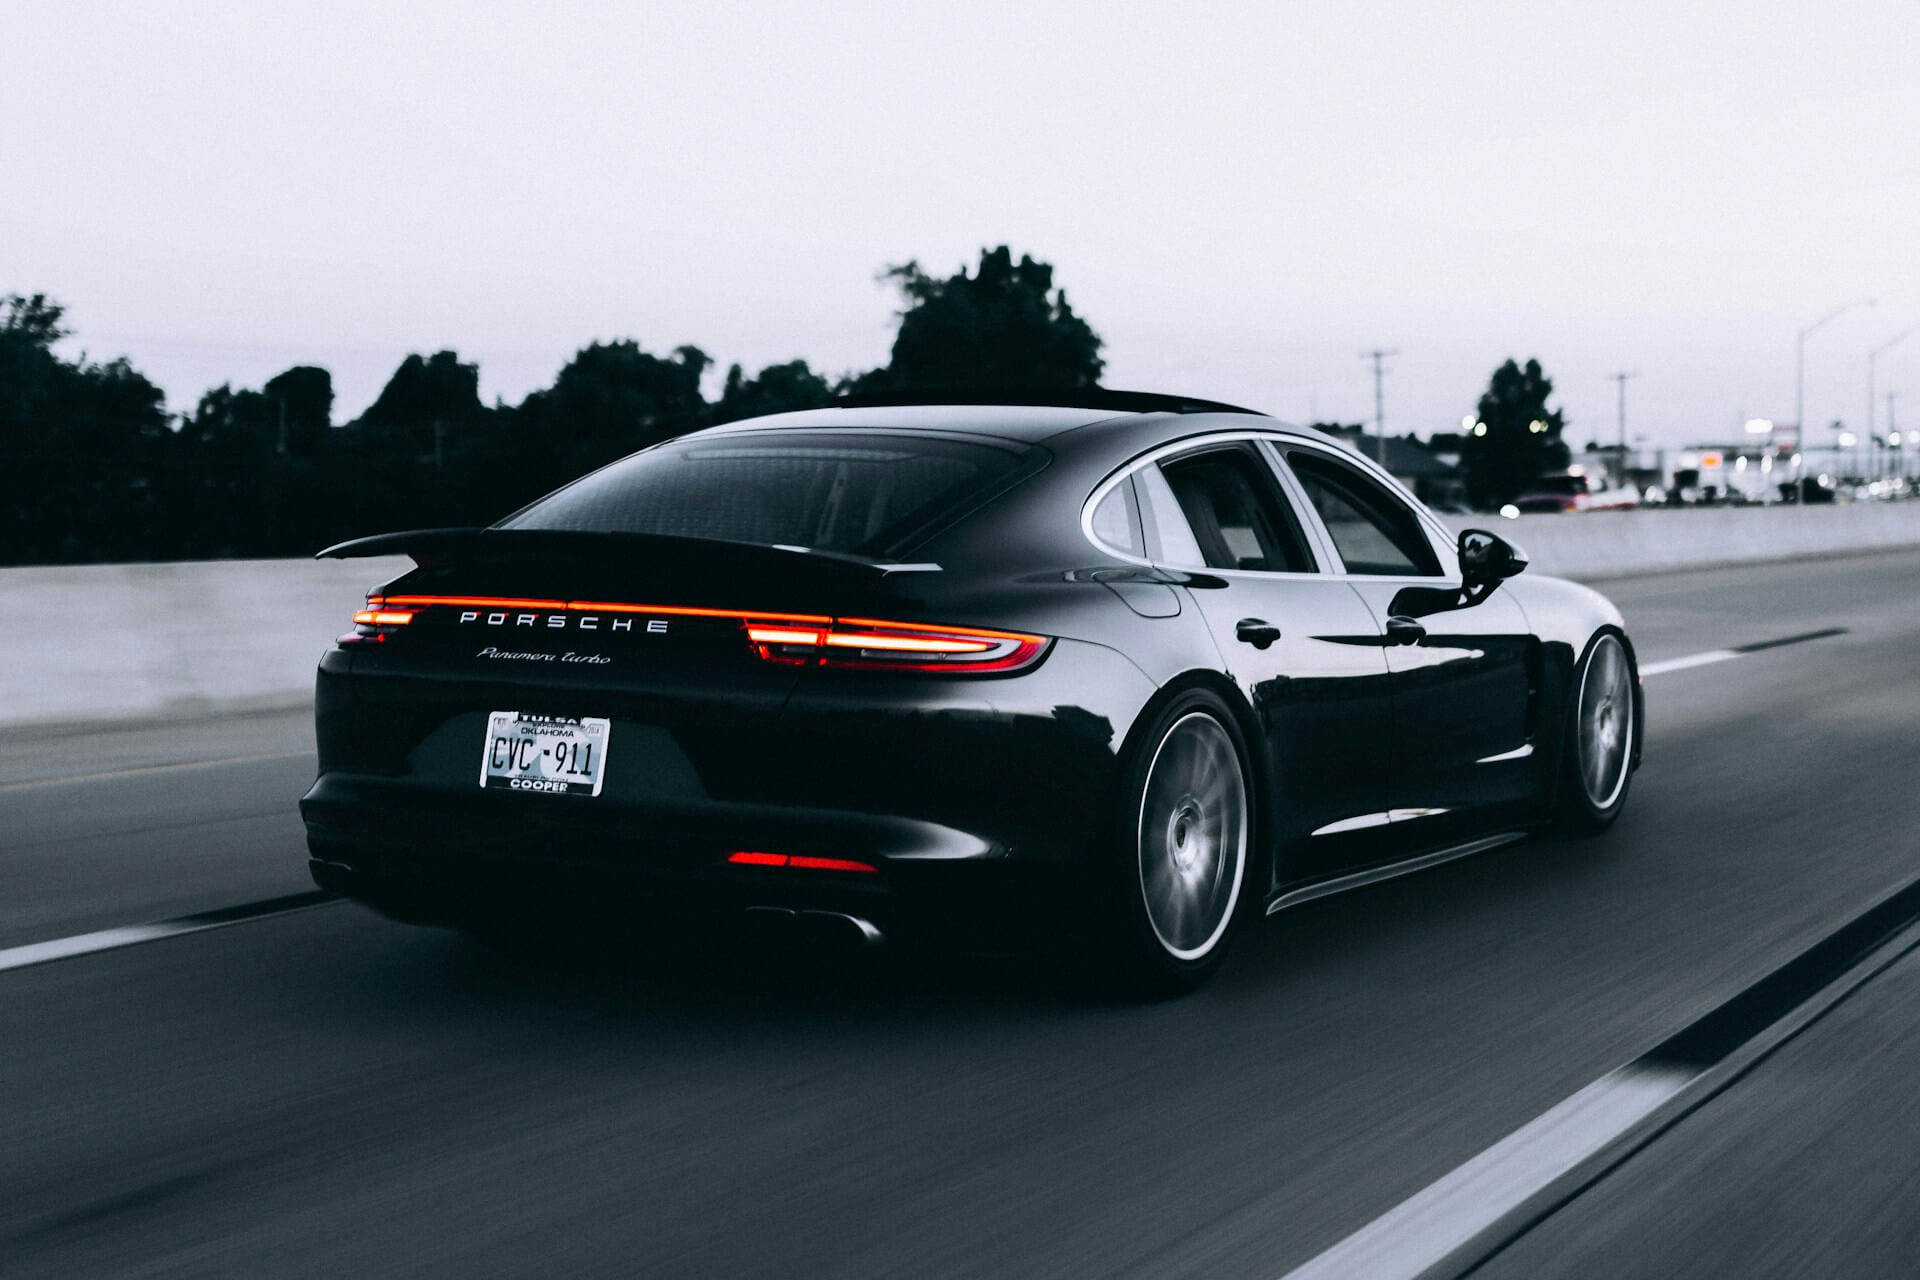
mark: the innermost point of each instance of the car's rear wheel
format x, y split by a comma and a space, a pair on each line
1601, 728
1185, 833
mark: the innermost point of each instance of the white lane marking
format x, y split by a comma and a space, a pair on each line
1456, 1223
136, 770
1691, 660
1409, 1239
81, 944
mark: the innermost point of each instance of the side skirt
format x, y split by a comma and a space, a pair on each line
1374, 875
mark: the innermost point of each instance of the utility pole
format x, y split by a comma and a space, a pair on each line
1621, 379
1893, 429
1873, 357
1800, 361
1379, 403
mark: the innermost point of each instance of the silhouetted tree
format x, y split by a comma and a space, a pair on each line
611, 399
1003, 326
1521, 438
778, 388
424, 401
303, 406
93, 468
77, 441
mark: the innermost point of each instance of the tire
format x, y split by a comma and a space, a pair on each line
1602, 726
1183, 842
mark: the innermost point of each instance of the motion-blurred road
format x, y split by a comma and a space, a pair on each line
326, 1093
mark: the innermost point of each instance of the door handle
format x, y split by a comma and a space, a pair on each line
1257, 632
1404, 630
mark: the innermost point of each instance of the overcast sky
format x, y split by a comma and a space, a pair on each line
1240, 197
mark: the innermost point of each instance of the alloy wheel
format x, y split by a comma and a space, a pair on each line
1192, 836
1605, 734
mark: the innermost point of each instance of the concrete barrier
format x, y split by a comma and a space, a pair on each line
139, 641
134, 641
1594, 546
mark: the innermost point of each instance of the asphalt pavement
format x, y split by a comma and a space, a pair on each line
324, 1092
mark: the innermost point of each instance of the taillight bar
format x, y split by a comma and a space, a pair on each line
803, 862
795, 639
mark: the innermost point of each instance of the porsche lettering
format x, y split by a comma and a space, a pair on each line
559, 621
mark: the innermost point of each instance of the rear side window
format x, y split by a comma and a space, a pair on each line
1235, 512
1116, 520
824, 490
1374, 532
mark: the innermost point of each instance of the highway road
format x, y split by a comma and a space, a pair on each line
321, 1092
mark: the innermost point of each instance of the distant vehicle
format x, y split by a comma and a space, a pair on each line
1808, 489
1130, 669
1571, 490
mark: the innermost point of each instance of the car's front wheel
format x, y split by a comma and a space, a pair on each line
1185, 832
1601, 728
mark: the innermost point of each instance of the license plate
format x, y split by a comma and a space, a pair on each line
557, 755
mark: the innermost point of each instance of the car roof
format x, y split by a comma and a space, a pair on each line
1024, 423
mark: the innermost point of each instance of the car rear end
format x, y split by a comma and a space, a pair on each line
601, 704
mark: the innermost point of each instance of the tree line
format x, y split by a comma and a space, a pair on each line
93, 467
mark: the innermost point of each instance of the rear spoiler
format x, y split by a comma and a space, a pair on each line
433, 547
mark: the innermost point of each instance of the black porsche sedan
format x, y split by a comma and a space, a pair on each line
1128, 669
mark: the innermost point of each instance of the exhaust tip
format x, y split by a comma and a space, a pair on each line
838, 927
840, 923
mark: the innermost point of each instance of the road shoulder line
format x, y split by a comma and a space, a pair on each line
1467, 1216
82, 944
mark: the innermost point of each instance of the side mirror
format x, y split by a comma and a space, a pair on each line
1487, 558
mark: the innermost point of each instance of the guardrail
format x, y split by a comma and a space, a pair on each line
142, 641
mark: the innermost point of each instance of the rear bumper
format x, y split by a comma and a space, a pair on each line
425, 854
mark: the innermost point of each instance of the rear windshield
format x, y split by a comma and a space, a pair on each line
854, 492
1560, 484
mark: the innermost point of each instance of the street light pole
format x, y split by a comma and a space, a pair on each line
1800, 361
1873, 358
1379, 404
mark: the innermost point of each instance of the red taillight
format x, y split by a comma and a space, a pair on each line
754, 858
873, 644
377, 621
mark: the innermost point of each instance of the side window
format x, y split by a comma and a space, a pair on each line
1373, 531
1166, 524
1235, 512
1116, 521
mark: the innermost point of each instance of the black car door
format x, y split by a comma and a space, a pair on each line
1302, 646
1462, 666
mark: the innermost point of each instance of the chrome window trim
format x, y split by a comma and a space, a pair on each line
1308, 520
